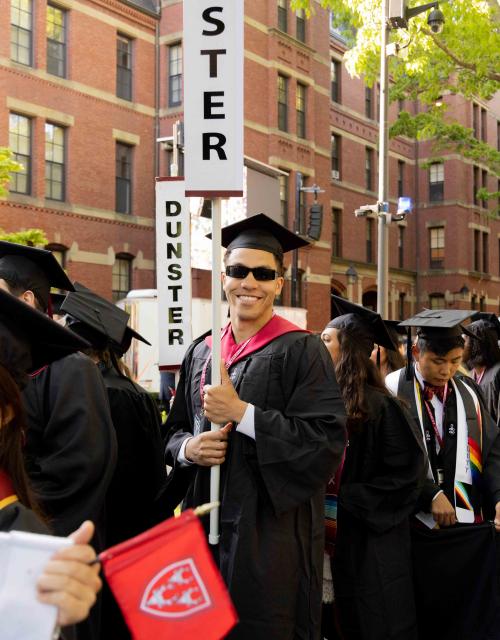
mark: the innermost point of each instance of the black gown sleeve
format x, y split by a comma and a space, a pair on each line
385, 499
73, 461
299, 449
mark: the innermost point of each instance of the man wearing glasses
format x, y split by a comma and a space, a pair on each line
283, 437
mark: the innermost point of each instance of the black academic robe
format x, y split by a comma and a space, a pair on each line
70, 443
490, 386
272, 488
381, 479
133, 499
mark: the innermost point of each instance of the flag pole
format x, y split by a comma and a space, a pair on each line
213, 536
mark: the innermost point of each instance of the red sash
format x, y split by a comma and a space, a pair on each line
7, 494
232, 352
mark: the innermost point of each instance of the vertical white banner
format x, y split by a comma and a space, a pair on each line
173, 271
213, 97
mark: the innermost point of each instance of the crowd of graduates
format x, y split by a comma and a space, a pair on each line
360, 468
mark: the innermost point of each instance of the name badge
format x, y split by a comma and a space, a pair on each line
440, 476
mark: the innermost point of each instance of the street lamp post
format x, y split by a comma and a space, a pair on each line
395, 14
383, 156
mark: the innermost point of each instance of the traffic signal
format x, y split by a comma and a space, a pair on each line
315, 221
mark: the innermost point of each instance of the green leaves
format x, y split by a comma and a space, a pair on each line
7, 166
30, 237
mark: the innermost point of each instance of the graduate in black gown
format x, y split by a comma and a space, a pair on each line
70, 441
280, 394
380, 483
28, 340
134, 497
453, 538
482, 358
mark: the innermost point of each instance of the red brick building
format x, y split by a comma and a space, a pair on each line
90, 84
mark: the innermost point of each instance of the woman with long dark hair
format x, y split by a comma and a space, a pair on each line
28, 340
378, 488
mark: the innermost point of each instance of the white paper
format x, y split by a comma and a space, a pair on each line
23, 557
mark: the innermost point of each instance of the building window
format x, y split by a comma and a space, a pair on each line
484, 125
175, 75
336, 142
369, 240
124, 67
282, 103
20, 144
369, 102
436, 182
477, 250
401, 247
486, 252
123, 178
436, 301
56, 41
21, 31
283, 15
484, 185
300, 25
436, 246
475, 120
59, 252
401, 178
473, 302
401, 305
369, 168
401, 104
54, 161
122, 276
475, 185
300, 107
336, 233
335, 76
283, 180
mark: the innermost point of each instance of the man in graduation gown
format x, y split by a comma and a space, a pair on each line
463, 482
70, 447
288, 433
482, 357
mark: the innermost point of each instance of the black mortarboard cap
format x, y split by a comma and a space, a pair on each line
56, 300
490, 318
124, 346
30, 339
36, 269
260, 232
438, 324
98, 320
368, 323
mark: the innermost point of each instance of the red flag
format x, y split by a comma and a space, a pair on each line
167, 584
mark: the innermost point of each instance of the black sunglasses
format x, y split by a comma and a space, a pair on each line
261, 274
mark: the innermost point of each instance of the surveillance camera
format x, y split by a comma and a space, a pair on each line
436, 21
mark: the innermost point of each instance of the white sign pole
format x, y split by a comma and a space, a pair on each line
213, 537
213, 115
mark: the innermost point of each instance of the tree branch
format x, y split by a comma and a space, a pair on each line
491, 75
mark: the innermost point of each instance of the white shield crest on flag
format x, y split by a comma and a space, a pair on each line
176, 591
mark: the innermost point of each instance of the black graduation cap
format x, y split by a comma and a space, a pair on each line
30, 339
490, 318
37, 269
260, 232
96, 319
124, 346
438, 324
370, 325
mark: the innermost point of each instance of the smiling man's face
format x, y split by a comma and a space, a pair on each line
250, 299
